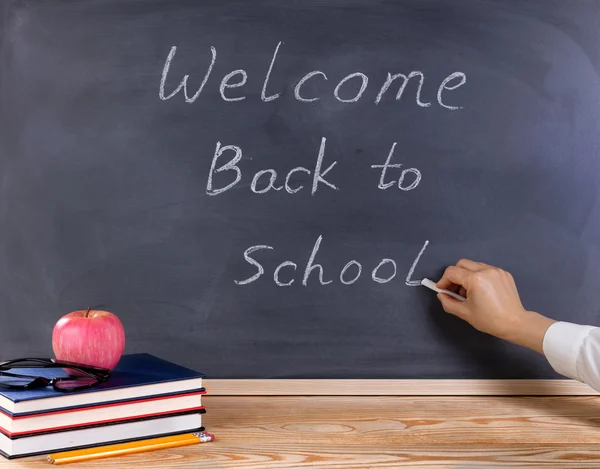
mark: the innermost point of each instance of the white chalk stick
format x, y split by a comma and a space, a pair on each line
429, 284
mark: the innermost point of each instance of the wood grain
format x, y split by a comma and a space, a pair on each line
345, 432
397, 387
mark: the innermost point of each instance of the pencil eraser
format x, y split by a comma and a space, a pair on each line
206, 437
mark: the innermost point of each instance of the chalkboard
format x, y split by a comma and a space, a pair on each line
254, 187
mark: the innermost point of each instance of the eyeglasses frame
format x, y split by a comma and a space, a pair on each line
99, 375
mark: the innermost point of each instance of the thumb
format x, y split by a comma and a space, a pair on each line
452, 306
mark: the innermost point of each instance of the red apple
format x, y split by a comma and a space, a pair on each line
89, 337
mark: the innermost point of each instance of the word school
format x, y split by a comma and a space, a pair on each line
237, 79
384, 272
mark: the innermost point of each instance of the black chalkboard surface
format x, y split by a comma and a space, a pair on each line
254, 186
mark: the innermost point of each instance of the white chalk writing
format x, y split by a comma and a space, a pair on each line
409, 281
451, 82
314, 272
318, 174
184, 80
276, 273
444, 86
228, 168
378, 279
265, 83
391, 78
260, 268
231, 165
363, 87
384, 167
301, 82
225, 84
345, 269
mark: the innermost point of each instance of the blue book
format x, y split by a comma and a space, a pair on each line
136, 376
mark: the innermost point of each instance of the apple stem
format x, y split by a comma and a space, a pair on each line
88, 311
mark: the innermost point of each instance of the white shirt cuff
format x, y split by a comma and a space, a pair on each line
562, 344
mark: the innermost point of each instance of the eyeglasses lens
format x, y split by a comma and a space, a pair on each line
74, 383
15, 381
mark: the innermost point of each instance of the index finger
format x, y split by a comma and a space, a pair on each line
455, 275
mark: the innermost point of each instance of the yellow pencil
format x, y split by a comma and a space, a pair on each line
132, 447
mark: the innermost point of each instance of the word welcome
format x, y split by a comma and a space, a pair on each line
238, 78
348, 275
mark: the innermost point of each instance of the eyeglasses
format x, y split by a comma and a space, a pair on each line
79, 376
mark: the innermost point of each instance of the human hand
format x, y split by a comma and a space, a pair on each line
492, 303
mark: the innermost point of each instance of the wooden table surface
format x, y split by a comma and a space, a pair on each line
381, 432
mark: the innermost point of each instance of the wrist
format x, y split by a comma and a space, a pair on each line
529, 330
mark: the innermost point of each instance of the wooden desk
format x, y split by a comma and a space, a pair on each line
382, 432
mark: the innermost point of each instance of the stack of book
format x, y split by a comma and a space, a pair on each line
146, 397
